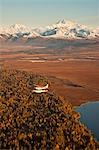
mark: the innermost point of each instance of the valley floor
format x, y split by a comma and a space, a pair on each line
75, 78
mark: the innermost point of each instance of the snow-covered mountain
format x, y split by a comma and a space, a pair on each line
14, 29
68, 29
61, 29
17, 31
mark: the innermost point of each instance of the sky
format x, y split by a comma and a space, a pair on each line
36, 13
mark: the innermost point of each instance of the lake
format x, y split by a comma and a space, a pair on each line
90, 116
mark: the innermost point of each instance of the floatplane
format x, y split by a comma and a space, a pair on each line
40, 89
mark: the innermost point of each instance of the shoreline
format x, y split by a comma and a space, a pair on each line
85, 103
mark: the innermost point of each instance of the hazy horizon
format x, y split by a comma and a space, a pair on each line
35, 13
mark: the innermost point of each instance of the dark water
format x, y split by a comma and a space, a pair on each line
90, 117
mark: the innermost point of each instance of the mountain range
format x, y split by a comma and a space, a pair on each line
62, 29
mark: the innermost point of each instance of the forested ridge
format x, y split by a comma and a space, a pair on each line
32, 121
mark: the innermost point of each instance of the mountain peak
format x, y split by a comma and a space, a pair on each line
61, 21
18, 26
15, 28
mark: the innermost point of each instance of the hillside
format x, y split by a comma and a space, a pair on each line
38, 121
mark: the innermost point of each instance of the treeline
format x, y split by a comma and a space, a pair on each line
31, 121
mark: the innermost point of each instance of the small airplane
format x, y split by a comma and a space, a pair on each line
37, 87
40, 91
